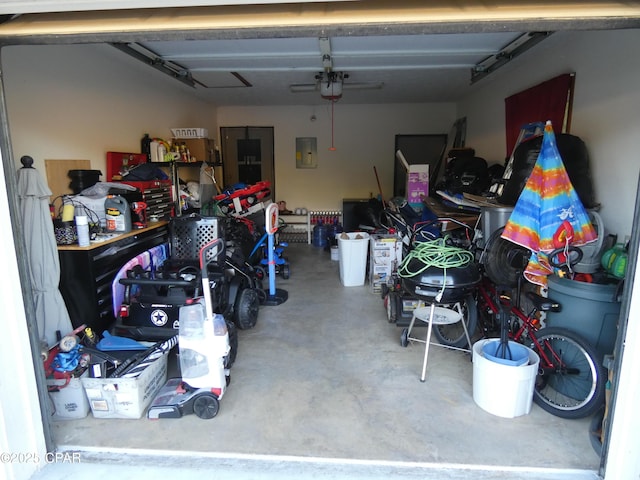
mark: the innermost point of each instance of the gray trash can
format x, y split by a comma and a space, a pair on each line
589, 309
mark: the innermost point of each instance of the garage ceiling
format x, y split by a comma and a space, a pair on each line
389, 52
283, 71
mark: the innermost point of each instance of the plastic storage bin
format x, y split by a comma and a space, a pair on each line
353, 258
589, 309
503, 390
125, 397
68, 399
494, 218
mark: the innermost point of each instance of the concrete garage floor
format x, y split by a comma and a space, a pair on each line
322, 388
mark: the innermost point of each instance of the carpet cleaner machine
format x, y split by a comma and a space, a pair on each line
203, 341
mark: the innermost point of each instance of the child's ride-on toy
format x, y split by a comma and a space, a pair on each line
240, 197
260, 255
153, 296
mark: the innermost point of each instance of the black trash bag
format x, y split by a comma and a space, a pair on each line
573, 152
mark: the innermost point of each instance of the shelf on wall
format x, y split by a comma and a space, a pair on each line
300, 227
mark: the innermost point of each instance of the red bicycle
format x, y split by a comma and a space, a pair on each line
571, 381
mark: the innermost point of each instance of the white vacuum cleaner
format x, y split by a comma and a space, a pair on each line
203, 341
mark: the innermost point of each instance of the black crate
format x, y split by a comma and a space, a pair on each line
189, 234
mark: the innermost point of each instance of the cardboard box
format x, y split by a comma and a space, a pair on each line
125, 397
202, 149
385, 256
69, 401
417, 185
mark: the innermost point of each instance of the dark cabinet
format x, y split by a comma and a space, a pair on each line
354, 213
86, 273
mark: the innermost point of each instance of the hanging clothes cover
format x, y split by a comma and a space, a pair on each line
548, 214
42, 253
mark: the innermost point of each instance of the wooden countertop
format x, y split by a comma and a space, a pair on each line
112, 239
443, 211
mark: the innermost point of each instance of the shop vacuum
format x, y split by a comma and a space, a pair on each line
203, 341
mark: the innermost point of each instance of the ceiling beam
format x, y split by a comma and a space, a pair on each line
287, 55
359, 68
401, 17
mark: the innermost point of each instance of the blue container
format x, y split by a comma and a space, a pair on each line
514, 354
320, 235
331, 235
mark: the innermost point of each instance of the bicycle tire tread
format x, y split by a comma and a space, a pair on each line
588, 406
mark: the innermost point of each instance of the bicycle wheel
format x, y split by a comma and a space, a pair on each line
574, 386
453, 335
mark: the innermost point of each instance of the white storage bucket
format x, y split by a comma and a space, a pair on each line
353, 258
503, 390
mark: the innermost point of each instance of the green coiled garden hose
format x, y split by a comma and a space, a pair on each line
435, 253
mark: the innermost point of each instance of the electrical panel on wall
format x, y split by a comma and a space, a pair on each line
306, 152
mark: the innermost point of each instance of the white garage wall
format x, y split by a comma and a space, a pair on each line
605, 109
81, 101
364, 137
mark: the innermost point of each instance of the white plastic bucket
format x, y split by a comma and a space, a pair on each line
503, 390
353, 258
